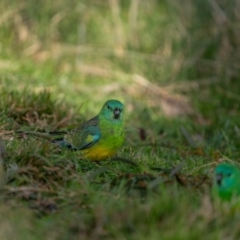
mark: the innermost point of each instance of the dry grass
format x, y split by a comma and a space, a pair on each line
175, 67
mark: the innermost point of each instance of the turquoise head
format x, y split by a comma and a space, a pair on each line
113, 110
227, 180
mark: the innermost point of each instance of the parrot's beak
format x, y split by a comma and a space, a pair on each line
219, 179
117, 113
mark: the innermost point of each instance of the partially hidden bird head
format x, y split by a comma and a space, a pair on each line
113, 110
227, 180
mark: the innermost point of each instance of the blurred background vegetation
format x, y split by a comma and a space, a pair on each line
92, 50
174, 64
161, 58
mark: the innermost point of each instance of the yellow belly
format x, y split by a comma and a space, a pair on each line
97, 153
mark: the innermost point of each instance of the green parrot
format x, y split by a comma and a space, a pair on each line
97, 138
227, 181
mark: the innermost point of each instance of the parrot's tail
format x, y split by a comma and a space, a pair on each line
61, 143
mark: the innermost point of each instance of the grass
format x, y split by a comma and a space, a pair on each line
174, 66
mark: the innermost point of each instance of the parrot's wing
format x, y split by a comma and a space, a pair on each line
89, 137
83, 137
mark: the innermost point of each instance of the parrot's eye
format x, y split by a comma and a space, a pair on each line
108, 107
229, 174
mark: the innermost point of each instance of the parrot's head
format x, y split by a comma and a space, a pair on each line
226, 180
113, 110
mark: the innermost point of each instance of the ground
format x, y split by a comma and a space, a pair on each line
175, 68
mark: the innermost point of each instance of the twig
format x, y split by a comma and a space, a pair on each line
132, 16
118, 29
28, 189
